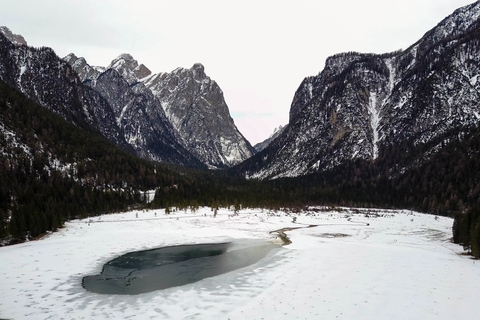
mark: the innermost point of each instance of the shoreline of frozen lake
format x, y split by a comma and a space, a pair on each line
401, 266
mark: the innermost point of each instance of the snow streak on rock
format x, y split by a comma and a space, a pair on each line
374, 121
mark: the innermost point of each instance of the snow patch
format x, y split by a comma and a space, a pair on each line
473, 80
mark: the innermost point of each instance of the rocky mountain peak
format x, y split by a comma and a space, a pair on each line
16, 39
70, 58
198, 72
129, 68
262, 145
459, 22
82, 68
188, 99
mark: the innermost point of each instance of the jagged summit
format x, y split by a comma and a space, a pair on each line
262, 145
16, 39
198, 66
83, 69
129, 68
198, 71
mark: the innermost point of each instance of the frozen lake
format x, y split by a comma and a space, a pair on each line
166, 267
356, 264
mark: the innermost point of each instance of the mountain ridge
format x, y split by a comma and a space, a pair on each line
190, 101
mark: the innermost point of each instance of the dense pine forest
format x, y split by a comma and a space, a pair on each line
52, 171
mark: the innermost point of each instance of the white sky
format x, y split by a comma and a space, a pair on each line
257, 51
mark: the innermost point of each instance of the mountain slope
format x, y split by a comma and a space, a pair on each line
362, 103
143, 123
45, 78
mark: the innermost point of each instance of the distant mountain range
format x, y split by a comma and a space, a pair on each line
358, 107
179, 117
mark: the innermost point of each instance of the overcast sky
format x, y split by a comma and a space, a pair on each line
257, 51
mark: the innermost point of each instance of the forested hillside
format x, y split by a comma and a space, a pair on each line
52, 171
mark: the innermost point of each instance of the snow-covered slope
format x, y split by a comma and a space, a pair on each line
129, 68
65, 87
83, 69
361, 104
140, 118
356, 264
16, 39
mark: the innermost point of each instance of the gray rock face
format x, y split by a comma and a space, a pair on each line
83, 69
195, 106
143, 123
16, 39
129, 68
361, 103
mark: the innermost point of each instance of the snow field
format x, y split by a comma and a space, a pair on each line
401, 265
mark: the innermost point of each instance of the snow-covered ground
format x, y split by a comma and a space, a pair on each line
399, 266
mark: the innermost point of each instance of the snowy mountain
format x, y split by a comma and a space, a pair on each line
195, 106
119, 102
47, 79
83, 69
129, 68
16, 39
361, 105
187, 104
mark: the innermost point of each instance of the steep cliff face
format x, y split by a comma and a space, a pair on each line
82, 68
143, 123
361, 103
129, 68
195, 106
